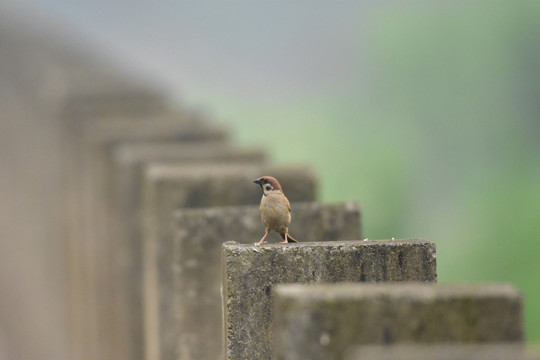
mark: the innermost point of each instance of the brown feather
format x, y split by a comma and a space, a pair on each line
273, 181
275, 209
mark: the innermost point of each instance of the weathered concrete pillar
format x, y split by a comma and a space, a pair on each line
52, 81
250, 272
124, 194
186, 295
168, 188
422, 351
99, 301
322, 322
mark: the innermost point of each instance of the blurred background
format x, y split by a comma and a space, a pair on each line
425, 112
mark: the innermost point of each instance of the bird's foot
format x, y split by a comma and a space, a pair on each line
284, 242
261, 242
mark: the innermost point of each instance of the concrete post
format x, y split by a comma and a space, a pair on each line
169, 188
124, 195
250, 272
322, 322
185, 296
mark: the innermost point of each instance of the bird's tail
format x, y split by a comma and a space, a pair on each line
289, 238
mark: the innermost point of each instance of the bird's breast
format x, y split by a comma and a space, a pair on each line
275, 211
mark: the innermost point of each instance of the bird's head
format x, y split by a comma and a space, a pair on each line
268, 184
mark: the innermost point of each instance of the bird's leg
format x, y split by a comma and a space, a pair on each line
264, 237
286, 241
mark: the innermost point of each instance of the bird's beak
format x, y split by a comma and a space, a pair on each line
257, 181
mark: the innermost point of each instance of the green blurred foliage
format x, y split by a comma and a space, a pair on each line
468, 76
437, 136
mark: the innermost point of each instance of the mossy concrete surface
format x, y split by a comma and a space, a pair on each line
322, 322
250, 272
491, 351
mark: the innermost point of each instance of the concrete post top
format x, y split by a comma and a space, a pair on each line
203, 185
323, 321
164, 170
234, 246
443, 351
414, 291
251, 271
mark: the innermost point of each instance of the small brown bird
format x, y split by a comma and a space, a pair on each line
275, 209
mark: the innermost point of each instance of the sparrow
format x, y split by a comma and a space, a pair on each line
275, 209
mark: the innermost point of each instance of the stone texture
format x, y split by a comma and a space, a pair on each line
492, 351
250, 272
168, 188
193, 330
321, 322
